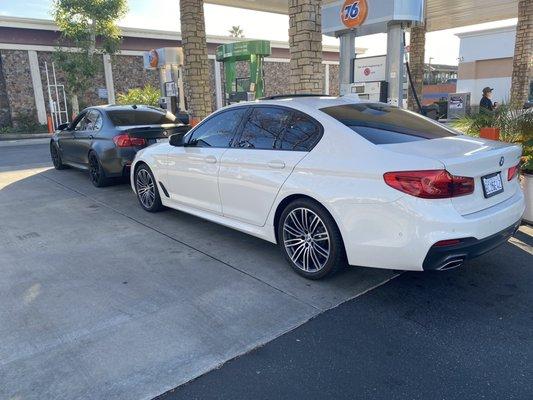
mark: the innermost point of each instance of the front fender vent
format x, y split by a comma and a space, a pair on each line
164, 189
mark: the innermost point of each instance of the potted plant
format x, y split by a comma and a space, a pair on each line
515, 125
527, 179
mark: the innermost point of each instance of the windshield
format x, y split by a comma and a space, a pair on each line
384, 124
140, 117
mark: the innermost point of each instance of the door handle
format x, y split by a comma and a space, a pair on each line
276, 164
211, 159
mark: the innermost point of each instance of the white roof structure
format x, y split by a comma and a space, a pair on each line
49, 25
441, 14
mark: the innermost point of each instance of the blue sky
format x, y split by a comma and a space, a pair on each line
442, 46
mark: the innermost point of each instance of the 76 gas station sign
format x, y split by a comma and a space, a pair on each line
368, 16
354, 13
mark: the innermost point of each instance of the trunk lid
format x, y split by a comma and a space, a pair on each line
470, 157
154, 133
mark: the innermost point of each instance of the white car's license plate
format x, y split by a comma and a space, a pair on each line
492, 184
162, 140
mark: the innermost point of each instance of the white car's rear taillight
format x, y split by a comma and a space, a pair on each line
513, 172
430, 184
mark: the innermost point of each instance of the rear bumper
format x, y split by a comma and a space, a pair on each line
448, 257
401, 235
117, 164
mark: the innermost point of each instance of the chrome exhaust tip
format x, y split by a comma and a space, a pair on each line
452, 264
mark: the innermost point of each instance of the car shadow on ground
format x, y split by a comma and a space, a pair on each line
238, 250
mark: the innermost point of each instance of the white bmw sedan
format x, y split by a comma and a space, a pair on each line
337, 180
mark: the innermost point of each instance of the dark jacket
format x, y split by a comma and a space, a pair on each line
486, 104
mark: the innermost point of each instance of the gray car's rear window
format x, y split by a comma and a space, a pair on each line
384, 124
140, 117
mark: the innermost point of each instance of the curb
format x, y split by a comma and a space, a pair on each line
16, 136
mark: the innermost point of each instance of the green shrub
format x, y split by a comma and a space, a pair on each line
26, 122
148, 95
516, 126
527, 159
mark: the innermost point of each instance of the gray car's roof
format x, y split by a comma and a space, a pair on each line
112, 107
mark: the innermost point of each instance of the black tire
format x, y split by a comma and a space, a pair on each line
55, 155
317, 237
146, 189
96, 172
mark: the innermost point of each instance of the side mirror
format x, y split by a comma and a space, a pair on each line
62, 127
177, 140
182, 128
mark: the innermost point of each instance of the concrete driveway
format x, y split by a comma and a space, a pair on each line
103, 300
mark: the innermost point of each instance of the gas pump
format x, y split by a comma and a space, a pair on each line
369, 79
373, 91
243, 88
168, 61
346, 19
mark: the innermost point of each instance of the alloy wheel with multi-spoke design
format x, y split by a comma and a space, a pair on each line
94, 169
306, 240
54, 153
145, 188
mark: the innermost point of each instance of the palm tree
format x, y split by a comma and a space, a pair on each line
236, 32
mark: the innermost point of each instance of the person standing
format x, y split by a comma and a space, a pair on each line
486, 103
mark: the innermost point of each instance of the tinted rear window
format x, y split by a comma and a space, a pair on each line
140, 117
384, 124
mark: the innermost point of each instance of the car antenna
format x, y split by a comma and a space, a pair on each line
134, 106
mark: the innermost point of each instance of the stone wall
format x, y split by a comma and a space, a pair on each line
17, 98
5, 112
277, 78
333, 80
88, 98
129, 73
212, 84
19, 88
523, 55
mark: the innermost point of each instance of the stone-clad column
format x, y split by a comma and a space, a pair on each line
523, 54
196, 64
417, 51
305, 41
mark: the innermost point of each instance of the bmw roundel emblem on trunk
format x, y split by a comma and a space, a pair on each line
502, 161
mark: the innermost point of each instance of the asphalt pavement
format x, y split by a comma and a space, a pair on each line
15, 154
461, 334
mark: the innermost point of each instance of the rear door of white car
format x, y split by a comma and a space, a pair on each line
272, 142
192, 170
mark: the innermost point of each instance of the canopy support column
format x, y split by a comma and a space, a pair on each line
305, 46
395, 64
196, 64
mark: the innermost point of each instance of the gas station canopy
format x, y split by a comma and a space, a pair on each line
441, 14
